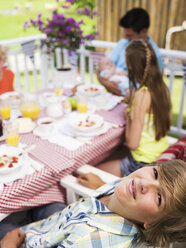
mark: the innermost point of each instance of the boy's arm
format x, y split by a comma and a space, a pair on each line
109, 85
13, 239
90, 180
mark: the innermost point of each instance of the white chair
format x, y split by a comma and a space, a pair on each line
74, 190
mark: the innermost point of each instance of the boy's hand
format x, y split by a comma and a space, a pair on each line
90, 180
12, 239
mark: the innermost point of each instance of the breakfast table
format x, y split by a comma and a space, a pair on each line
55, 157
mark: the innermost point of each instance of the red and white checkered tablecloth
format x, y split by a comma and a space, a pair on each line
42, 186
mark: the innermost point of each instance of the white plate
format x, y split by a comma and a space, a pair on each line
24, 124
11, 151
85, 123
13, 97
90, 90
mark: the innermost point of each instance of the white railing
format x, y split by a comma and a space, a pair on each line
37, 73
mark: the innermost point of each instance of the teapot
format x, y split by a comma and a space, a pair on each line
54, 107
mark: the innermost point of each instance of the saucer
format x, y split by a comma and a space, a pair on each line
44, 135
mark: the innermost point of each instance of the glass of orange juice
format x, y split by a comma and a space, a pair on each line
11, 135
5, 111
82, 105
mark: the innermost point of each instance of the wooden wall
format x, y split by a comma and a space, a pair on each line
163, 15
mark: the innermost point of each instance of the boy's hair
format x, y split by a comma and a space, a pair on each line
136, 19
143, 67
172, 227
2, 54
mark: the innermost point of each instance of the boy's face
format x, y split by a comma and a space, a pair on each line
140, 197
130, 34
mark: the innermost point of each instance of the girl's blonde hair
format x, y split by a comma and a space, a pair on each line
172, 227
2, 54
143, 68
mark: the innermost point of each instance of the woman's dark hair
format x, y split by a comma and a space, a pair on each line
136, 19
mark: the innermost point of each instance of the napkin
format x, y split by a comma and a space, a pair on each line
68, 142
113, 101
105, 101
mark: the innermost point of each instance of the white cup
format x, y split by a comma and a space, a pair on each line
45, 124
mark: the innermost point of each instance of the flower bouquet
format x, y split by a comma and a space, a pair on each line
64, 35
62, 31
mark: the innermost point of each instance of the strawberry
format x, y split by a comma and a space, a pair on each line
15, 158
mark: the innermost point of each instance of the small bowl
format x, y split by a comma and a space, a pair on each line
85, 122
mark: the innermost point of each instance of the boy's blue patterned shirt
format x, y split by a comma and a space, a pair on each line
83, 224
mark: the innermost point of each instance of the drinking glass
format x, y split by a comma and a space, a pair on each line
82, 105
59, 91
11, 135
5, 111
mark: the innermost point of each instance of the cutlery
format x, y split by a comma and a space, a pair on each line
28, 149
112, 124
85, 141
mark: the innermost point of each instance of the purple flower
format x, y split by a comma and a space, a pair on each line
68, 29
65, 6
81, 22
87, 11
80, 11
54, 17
64, 42
40, 22
70, 1
95, 12
39, 16
26, 25
33, 22
70, 20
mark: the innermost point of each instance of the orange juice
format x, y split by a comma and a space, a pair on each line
82, 107
30, 109
5, 112
58, 91
12, 138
